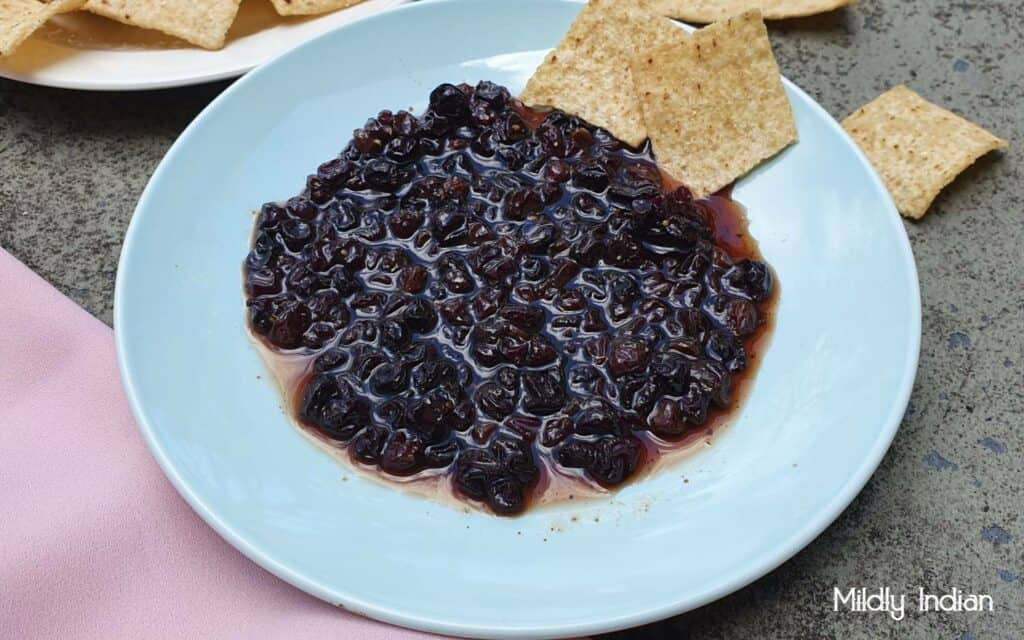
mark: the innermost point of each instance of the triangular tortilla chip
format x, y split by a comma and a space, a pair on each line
311, 7
20, 18
714, 104
705, 11
917, 147
202, 22
588, 72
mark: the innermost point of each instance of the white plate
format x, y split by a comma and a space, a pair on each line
80, 50
823, 409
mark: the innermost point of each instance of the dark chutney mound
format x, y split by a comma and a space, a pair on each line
486, 286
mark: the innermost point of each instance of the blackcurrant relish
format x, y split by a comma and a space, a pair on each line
505, 296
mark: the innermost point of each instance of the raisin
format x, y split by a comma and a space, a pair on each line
485, 284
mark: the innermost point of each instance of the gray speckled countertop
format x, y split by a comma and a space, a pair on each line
943, 510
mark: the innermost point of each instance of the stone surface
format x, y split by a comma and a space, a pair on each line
943, 510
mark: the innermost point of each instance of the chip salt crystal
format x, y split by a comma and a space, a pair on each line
714, 104
311, 7
204, 23
21, 18
588, 73
704, 11
917, 147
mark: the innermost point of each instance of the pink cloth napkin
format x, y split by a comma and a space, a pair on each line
94, 541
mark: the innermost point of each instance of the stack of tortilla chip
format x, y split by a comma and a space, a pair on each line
712, 103
204, 23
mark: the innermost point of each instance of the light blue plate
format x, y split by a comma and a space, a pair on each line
826, 403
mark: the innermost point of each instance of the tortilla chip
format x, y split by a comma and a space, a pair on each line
588, 72
917, 147
202, 22
714, 104
311, 7
705, 11
20, 18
